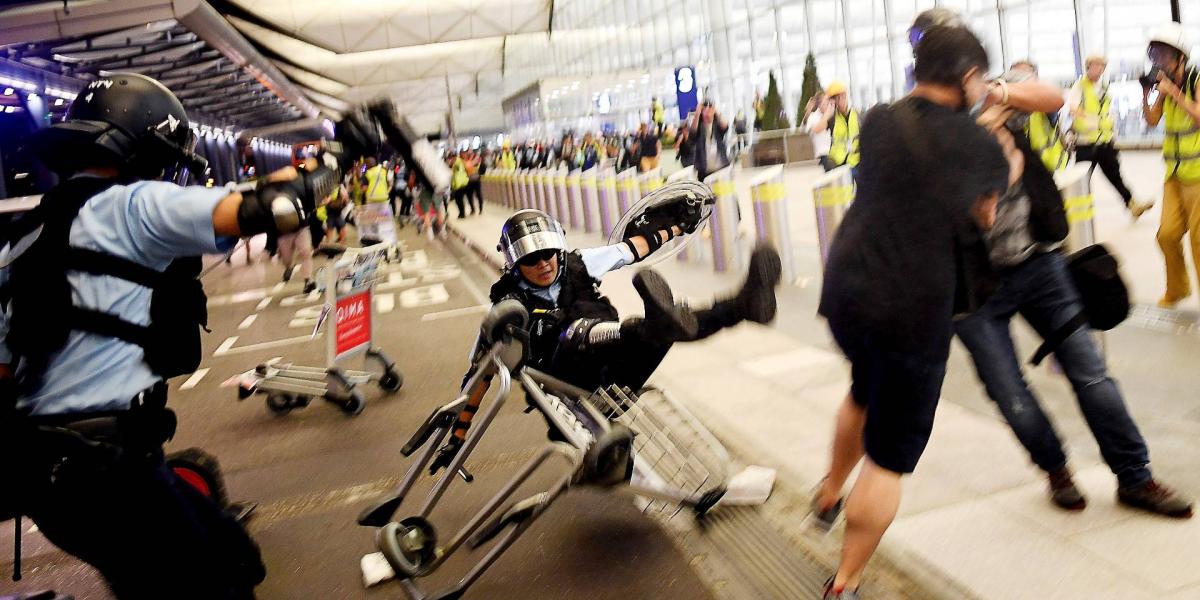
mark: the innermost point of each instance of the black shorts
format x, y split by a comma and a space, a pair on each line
900, 394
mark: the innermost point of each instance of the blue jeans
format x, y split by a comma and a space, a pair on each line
1042, 292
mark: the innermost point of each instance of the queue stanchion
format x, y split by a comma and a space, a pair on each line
591, 200
506, 188
723, 226
519, 188
530, 196
574, 183
627, 189
832, 196
553, 200
609, 207
545, 201
1076, 187
650, 181
771, 216
536, 194
565, 210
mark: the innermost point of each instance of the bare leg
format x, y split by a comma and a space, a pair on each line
870, 510
847, 451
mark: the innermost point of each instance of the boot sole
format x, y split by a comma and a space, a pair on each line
654, 290
765, 272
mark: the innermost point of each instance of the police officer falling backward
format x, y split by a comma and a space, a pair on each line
83, 417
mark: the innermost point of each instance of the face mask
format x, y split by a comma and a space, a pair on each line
976, 109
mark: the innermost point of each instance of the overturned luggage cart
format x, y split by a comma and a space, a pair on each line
611, 437
348, 287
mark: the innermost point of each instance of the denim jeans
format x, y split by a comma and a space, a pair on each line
1042, 292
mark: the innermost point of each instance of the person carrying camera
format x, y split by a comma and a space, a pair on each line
1175, 81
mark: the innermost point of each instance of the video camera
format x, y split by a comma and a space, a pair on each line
1150, 79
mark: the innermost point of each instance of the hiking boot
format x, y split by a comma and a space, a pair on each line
1156, 498
1064, 493
843, 594
1137, 209
664, 321
756, 300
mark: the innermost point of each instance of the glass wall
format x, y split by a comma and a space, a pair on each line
736, 44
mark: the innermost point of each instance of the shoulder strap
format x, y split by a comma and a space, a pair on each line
100, 263
1060, 335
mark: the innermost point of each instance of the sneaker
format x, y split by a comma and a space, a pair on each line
1064, 493
1137, 209
827, 518
287, 274
309, 286
831, 594
1157, 498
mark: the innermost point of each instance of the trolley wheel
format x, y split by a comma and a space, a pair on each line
391, 381
352, 403
409, 546
200, 470
280, 403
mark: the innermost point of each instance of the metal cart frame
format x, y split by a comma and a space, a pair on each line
289, 387
614, 437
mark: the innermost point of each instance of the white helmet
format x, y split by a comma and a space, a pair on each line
1172, 34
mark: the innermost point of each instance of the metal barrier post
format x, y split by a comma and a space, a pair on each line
771, 216
832, 196
723, 225
539, 190
1076, 187
508, 185
650, 181
627, 186
591, 200
653, 180
524, 188
575, 195
609, 208
564, 203
551, 206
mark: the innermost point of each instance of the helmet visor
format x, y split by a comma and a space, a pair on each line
530, 235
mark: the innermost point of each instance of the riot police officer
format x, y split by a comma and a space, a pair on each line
100, 306
576, 333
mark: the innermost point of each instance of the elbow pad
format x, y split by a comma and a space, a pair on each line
274, 208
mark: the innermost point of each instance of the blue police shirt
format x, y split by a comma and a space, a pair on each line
598, 262
150, 223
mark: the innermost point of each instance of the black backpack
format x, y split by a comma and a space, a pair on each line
1047, 213
40, 295
1102, 292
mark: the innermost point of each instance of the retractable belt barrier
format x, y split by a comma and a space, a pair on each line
562, 204
610, 210
591, 200
575, 198
724, 223
1076, 187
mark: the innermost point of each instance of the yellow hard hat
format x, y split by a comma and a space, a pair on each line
835, 88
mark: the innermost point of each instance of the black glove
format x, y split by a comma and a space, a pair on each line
273, 207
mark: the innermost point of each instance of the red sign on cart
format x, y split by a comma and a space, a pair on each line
353, 322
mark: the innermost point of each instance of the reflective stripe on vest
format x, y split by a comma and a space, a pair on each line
377, 185
1181, 139
1098, 129
844, 150
1045, 140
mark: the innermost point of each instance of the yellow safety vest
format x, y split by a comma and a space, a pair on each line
459, 178
1098, 129
508, 162
1046, 142
844, 150
377, 184
1181, 142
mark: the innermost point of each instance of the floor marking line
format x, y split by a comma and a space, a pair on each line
458, 312
227, 347
248, 321
194, 379
264, 303
278, 288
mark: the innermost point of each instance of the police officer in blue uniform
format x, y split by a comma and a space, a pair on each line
100, 304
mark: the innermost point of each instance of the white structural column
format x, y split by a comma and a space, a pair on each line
721, 54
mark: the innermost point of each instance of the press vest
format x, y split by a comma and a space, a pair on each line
1181, 142
1098, 129
377, 185
844, 150
1046, 142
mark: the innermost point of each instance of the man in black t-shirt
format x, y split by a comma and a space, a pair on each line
651, 146
896, 266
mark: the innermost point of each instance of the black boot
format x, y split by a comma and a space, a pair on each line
664, 321
755, 301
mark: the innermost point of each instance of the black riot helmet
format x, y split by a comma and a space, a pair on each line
530, 232
124, 120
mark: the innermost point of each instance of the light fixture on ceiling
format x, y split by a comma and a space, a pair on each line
59, 101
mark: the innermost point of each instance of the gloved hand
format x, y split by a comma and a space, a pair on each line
273, 207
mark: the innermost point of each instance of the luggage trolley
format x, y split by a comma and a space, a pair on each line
611, 437
348, 287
